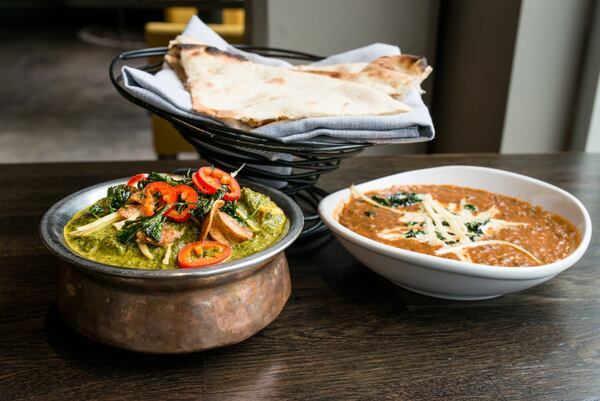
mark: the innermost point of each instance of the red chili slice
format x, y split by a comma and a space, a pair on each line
201, 187
211, 179
157, 195
234, 191
202, 253
186, 194
136, 178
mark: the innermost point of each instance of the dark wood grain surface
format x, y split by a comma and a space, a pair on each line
345, 334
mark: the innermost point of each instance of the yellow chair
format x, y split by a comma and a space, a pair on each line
167, 141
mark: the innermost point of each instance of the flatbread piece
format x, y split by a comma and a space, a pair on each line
227, 86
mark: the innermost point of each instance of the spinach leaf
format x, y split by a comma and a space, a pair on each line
162, 177
398, 199
205, 202
230, 208
128, 232
118, 196
97, 210
115, 199
151, 226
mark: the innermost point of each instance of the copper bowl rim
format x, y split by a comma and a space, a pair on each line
54, 220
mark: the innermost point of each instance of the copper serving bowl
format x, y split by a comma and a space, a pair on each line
169, 311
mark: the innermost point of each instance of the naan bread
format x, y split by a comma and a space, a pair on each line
173, 56
228, 86
394, 75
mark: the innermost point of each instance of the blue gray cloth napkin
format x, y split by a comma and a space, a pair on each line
165, 91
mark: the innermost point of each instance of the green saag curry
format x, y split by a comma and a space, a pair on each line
137, 228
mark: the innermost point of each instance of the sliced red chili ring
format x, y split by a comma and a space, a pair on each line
135, 179
211, 179
202, 253
201, 187
234, 191
157, 195
185, 194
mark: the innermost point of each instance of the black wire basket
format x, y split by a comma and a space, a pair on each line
229, 148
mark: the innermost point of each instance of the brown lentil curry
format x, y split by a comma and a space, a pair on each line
461, 223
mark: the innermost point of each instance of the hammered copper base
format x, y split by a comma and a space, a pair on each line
173, 315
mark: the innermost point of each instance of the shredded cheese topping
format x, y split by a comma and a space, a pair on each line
456, 228
459, 249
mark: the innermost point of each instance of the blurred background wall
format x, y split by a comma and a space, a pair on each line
332, 26
545, 84
586, 130
513, 76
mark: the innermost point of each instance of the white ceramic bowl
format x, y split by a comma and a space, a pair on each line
451, 279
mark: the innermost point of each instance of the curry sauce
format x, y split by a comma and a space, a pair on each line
461, 223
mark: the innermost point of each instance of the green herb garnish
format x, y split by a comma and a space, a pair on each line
398, 199
413, 233
470, 207
475, 227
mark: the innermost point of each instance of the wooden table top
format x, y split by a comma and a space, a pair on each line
345, 333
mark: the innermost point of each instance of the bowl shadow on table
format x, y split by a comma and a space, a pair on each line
343, 274
342, 277
106, 363
362, 288
99, 358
